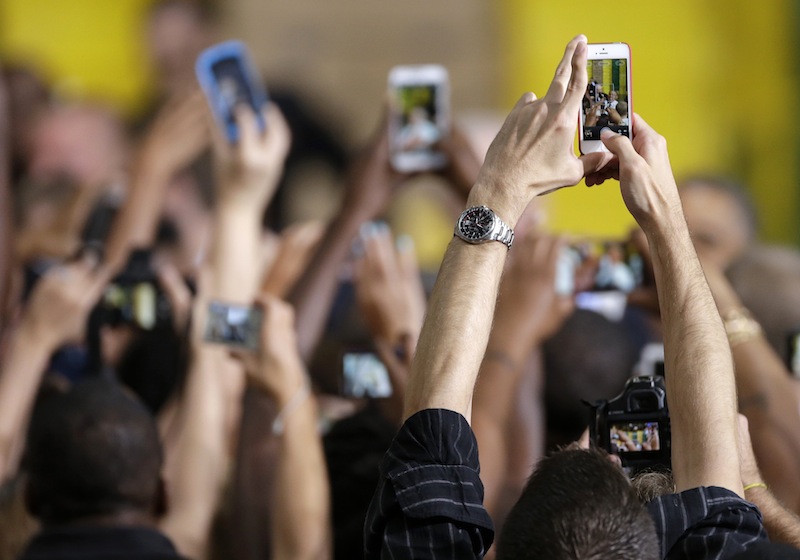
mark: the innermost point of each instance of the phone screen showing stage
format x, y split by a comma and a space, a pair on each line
365, 376
418, 130
233, 86
607, 101
630, 437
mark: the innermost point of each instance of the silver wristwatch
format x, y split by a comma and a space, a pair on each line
479, 224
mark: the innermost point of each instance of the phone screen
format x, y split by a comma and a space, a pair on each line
597, 266
630, 437
234, 325
417, 130
365, 376
607, 99
233, 88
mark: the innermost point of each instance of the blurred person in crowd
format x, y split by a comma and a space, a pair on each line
721, 217
578, 503
104, 494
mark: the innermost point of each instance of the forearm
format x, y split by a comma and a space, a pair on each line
22, 371
301, 518
235, 254
701, 389
6, 233
456, 329
313, 294
197, 464
782, 525
137, 222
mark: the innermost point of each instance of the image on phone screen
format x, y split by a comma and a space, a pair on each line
233, 88
418, 131
365, 376
606, 102
234, 325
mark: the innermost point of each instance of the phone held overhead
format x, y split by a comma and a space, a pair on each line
229, 79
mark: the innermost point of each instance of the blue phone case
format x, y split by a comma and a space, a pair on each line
228, 77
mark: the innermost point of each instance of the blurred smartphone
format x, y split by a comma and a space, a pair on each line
229, 78
233, 325
364, 376
420, 116
608, 101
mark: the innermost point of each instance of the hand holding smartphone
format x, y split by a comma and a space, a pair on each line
420, 116
229, 78
608, 101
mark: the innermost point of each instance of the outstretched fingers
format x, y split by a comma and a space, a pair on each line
564, 71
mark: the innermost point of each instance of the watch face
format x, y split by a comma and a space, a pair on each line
476, 223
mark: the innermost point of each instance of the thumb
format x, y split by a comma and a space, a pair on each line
618, 145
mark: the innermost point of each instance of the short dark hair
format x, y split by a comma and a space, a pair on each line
92, 451
578, 505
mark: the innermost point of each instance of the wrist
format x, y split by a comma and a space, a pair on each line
37, 337
500, 199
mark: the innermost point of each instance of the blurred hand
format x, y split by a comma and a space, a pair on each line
60, 303
276, 368
296, 247
644, 172
528, 304
177, 137
371, 179
389, 288
248, 171
646, 295
533, 153
463, 164
178, 294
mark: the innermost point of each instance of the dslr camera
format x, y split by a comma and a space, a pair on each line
635, 425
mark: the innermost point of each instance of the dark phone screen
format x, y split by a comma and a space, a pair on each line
233, 86
607, 100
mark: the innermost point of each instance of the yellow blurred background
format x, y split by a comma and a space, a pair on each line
718, 79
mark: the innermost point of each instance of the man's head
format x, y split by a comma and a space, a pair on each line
622, 109
91, 453
721, 218
578, 505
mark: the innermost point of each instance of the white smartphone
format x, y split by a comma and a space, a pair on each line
420, 116
608, 101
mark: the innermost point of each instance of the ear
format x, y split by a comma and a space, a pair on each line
161, 505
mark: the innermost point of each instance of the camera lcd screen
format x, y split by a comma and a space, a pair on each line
417, 130
365, 376
606, 102
630, 437
234, 325
233, 87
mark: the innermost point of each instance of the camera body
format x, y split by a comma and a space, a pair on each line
635, 425
135, 297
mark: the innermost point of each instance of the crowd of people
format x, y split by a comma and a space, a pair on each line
126, 433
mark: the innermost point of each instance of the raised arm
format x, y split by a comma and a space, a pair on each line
6, 219
701, 388
766, 393
55, 315
301, 508
528, 312
531, 155
176, 138
370, 184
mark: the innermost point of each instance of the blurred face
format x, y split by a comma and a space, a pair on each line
80, 144
716, 224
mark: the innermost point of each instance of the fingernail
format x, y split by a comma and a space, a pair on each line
405, 244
